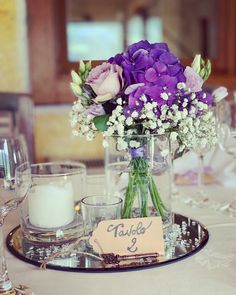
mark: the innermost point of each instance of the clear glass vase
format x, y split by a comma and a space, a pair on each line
138, 169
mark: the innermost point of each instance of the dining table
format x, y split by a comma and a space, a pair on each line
212, 270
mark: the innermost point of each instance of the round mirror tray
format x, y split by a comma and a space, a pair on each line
186, 238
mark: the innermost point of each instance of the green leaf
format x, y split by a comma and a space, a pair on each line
101, 122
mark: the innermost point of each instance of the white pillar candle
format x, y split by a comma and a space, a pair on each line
51, 205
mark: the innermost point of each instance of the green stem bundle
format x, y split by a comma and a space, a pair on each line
141, 185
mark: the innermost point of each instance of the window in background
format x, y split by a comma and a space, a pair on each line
108, 37
93, 40
97, 31
150, 29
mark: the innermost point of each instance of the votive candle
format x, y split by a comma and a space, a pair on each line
51, 205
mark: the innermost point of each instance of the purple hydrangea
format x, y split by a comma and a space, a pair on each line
155, 69
205, 97
143, 62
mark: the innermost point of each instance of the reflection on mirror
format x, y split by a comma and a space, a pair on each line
99, 29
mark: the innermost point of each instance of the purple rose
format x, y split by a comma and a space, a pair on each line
106, 81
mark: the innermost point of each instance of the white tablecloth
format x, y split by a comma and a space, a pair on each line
210, 271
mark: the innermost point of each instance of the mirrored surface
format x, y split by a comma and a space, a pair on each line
187, 237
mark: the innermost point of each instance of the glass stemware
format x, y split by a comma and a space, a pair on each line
174, 150
201, 195
13, 152
204, 139
227, 139
230, 148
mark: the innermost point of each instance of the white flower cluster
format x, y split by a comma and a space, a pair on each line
191, 121
199, 134
116, 126
82, 122
183, 121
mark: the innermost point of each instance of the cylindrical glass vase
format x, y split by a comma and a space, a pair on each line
138, 170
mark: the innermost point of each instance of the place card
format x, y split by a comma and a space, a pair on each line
129, 236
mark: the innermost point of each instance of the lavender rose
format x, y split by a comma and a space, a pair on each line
193, 81
95, 110
106, 81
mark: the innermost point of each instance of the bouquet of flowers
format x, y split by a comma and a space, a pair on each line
144, 90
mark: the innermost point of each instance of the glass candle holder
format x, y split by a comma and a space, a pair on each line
98, 208
48, 213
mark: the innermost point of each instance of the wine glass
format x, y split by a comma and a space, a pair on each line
174, 146
202, 141
13, 152
200, 198
227, 139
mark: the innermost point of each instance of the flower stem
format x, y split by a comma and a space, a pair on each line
129, 198
200, 178
141, 185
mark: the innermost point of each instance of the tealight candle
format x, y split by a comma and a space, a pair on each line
51, 205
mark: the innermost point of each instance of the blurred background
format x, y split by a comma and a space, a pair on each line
41, 41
